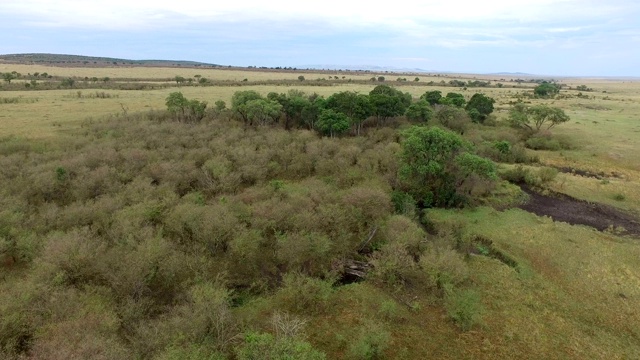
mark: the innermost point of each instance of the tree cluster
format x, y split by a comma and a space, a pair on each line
478, 108
546, 89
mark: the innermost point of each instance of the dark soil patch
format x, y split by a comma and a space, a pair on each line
561, 207
480, 245
599, 175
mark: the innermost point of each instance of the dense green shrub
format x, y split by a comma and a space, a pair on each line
453, 118
371, 343
464, 307
521, 175
444, 267
303, 294
419, 111
545, 141
393, 265
480, 107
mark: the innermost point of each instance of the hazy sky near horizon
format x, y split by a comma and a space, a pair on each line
546, 37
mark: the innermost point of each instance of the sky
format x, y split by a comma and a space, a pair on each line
543, 37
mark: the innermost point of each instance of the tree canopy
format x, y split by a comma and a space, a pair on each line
332, 122
432, 97
356, 106
239, 101
546, 89
388, 102
419, 111
533, 118
262, 112
436, 163
183, 109
454, 99
479, 107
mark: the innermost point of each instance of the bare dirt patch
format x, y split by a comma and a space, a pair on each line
561, 207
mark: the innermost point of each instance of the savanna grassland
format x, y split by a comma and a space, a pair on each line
146, 213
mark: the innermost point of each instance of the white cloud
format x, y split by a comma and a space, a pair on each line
498, 35
130, 14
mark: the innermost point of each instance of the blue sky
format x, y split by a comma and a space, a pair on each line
546, 37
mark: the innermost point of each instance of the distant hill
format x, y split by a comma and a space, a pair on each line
79, 60
512, 74
370, 68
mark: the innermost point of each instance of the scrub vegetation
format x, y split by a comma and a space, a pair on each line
353, 219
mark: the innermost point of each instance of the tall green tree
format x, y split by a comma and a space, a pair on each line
263, 112
388, 102
311, 112
179, 80
432, 97
435, 165
239, 102
183, 109
419, 111
176, 104
293, 106
536, 117
332, 123
480, 107
356, 106
546, 89
453, 99
8, 77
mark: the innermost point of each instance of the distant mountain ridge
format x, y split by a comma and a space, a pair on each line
64, 59
373, 68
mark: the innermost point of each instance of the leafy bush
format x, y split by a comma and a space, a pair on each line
303, 294
453, 118
371, 343
479, 107
183, 109
464, 307
521, 175
444, 267
542, 143
404, 203
503, 151
545, 141
403, 230
619, 197
393, 265
389, 310
518, 175
419, 111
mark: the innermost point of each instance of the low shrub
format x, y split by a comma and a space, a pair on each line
371, 343
524, 176
463, 307
545, 141
444, 267
392, 265
303, 294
